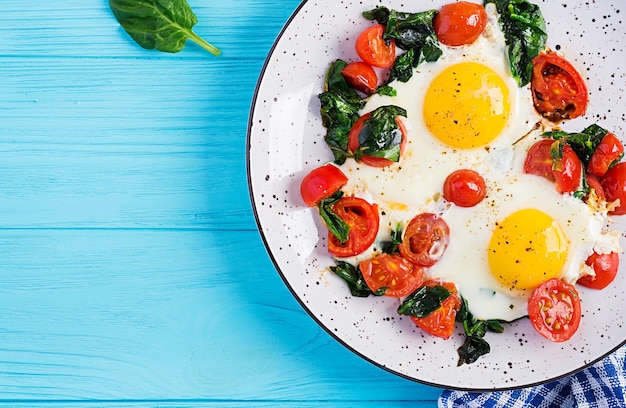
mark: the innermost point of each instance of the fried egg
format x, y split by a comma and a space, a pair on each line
466, 111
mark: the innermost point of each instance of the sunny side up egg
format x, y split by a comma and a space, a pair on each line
465, 111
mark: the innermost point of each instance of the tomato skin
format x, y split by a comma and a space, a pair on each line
460, 23
614, 186
539, 161
569, 171
363, 219
566, 171
465, 188
558, 90
361, 76
594, 183
605, 266
554, 310
425, 239
353, 142
399, 276
609, 150
373, 50
321, 183
440, 323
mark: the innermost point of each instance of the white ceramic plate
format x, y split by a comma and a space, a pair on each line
285, 142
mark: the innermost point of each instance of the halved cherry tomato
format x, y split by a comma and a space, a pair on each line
609, 150
614, 186
460, 23
361, 76
554, 310
353, 142
321, 183
558, 90
363, 219
605, 266
375, 51
440, 323
399, 276
566, 171
539, 160
594, 183
425, 239
465, 188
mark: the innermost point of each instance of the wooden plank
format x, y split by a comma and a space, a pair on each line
228, 403
123, 216
166, 315
106, 152
76, 28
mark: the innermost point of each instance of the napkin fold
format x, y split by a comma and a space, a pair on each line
601, 385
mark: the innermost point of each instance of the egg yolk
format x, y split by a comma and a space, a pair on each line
467, 105
527, 248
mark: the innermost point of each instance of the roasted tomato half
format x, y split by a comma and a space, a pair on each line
558, 90
440, 323
460, 23
605, 266
554, 310
373, 49
363, 219
321, 183
395, 274
614, 186
425, 239
545, 159
465, 188
354, 144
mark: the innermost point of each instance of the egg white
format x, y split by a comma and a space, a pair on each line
414, 185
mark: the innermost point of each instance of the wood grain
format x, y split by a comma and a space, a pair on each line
132, 273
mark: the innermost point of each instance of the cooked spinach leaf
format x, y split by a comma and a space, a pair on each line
412, 32
380, 135
472, 349
340, 105
525, 32
386, 90
583, 143
391, 247
402, 69
424, 301
475, 329
165, 25
333, 222
354, 279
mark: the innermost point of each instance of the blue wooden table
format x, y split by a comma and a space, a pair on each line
131, 269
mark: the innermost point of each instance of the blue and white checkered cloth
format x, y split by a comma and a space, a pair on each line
602, 385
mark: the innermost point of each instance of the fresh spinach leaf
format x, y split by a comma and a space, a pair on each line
525, 33
165, 25
354, 279
333, 222
424, 301
340, 105
380, 135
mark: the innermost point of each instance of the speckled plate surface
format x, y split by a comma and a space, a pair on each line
285, 142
